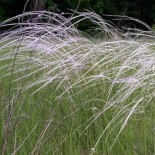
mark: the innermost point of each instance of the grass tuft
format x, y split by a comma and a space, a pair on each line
64, 92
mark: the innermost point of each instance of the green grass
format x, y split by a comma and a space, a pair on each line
64, 93
67, 132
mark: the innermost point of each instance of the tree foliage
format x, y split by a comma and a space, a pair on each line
141, 9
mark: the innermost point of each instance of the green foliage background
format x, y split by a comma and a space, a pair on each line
141, 9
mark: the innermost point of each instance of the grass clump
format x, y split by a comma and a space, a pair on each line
65, 93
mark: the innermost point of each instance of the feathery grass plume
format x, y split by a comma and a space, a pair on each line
44, 49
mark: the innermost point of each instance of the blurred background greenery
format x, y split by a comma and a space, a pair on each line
143, 10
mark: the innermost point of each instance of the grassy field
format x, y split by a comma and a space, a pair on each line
64, 92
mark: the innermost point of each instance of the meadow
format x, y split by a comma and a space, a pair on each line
65, 92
